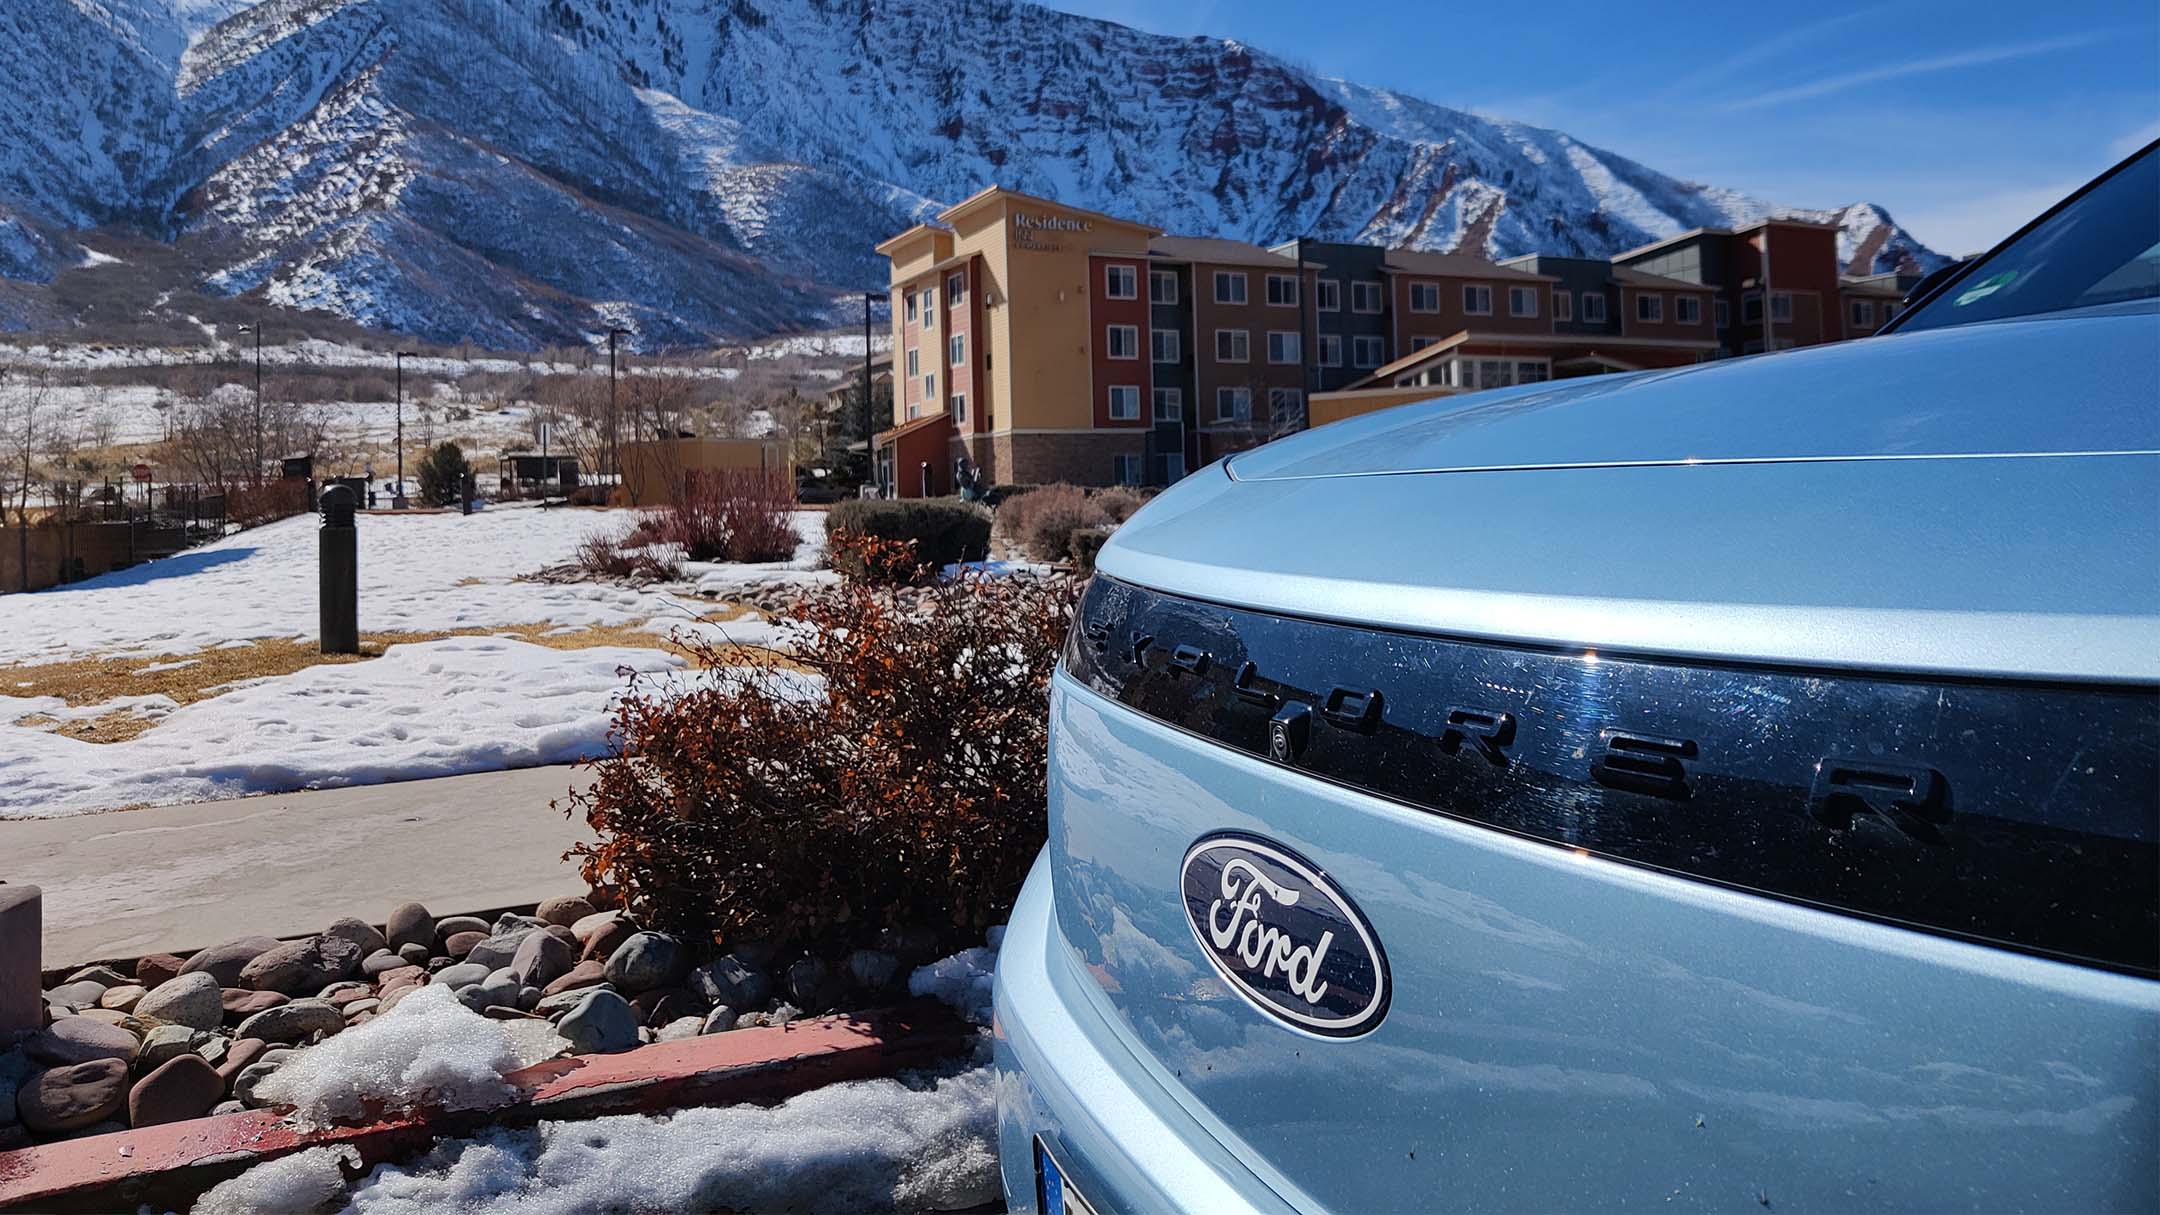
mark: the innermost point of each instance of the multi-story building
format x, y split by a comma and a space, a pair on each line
1353, 327
1795, 260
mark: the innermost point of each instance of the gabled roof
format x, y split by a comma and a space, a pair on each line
991, 193
1455, 265
1743, 229
898, 239
925, 422
1219, 251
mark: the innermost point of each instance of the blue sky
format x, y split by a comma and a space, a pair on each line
1963, 117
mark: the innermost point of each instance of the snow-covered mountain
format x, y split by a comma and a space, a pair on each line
526, 172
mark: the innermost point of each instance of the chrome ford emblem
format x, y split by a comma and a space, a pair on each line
1289, 942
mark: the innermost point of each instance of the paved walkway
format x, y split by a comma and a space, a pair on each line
184, 877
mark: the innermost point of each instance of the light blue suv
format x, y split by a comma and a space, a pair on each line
1724, 789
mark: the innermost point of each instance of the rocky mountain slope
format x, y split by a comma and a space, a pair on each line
527, 172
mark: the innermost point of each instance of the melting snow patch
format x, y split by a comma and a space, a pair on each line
430, 1051
303, 1181
962, 980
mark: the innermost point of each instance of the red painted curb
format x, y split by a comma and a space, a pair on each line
170, 1165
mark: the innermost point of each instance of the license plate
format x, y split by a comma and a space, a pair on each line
1057, 1195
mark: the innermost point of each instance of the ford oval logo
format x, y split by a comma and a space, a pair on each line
1288, 941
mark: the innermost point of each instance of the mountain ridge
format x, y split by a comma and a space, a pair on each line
521, 173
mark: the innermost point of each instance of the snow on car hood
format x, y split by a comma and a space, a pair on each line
2056, 385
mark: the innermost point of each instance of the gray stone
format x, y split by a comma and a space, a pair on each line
293, 1022
225, 962
807, 979
528, 998
301, 967
474, 997
757, 955
873, 969
565, 910
351, 989
357, 1007
414, 955
103, 976
731, 981
123, 998
720, 1020
783, 1015
15, 1069
409, 924
603, 1023
500, 987
77, 995
73, 1096
511, 921
227, 1107
72, 1040
647, 960
164, 1044
464, 974
917, 946
193, 1000
541, 959
251, 1076
381, 962
451, 925
561, 1002
680, 1028
498, 950
359, 932
213, 1048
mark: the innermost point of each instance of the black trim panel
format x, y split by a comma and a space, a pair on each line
2020, 815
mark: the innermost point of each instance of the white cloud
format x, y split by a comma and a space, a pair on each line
1915, 67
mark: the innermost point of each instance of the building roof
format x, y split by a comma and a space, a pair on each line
925, 422
1448, 345
1219, 251
899, 238
1656, 282
991, 193
1692, 233
1455, 265
1871, 285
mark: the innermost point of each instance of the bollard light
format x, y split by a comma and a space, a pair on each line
340, 572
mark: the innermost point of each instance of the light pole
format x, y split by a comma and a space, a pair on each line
256, 329
868, 444
397, 498
614, 433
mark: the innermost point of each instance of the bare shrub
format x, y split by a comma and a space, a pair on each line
733, 514
1050, 517
255, 505
1119, 502
606, 555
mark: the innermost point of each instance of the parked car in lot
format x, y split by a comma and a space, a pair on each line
1726, 788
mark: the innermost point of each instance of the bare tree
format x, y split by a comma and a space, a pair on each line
28, 415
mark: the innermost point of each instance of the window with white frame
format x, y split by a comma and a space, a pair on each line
1172, 464
955, 289
1522, 301
910, 300
1169, 404
1781, 306
1233, 404
1162, 286
914, 362
1477, 299
1687, 310
1233, 346
1327, 294
956, 350
1282, 290
1285, 402
1124, 402
1282, 346
1365, 351
1122, 341
1863, 313
1331, 350
1721, 313
1649, 307
1531, 372
914, 409
929, 387
1121, 282
1368, 298
959, 407
1424, 297
1126, 469
1229, 286
1167, 348
1563, 305
1593, 307
929, 305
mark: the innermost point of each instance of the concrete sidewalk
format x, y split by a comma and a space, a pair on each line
185, 877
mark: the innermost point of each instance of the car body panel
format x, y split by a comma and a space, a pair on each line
1568, 1032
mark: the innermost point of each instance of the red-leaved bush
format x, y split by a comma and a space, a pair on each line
730, 514
888, 773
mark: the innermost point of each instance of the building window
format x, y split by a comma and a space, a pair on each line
1687, 310
1166, 345
1233, 404
1781, 306
1531, 373
1889, 312
1162, 286
959, 407
1282, 290
1522, 301
1424, 297
914, 409
956, 350
1366, 351
1327, 294
955, 289
1476, 299
1563, 305
929, 305
1593, 307
1367, 298
1282, 346
1124, 341
929, 387
1229, 286
910, 307
1172, 464
1330, 350
1125, 469
1722, 313
1232, 346
914, 362
1285, 402
1169, 405
1649, 307
1124, 403
1121, 282
1420, 343
1751, 308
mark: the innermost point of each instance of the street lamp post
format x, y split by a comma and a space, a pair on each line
397, 498
614, 431
868, 444
256, 329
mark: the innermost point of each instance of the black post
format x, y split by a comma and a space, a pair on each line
869, 454
465, 494
397, 497
340, 573
926, 478
1309, 335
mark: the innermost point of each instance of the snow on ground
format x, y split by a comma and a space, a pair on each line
724, 579
429, 1051
435, 708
